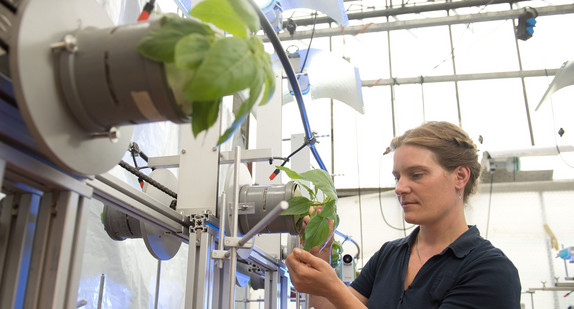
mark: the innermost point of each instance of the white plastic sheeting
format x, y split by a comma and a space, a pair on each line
129, 271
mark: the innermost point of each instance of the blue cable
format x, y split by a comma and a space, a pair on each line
272, 36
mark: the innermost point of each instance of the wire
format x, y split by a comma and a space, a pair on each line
404, 228
148, 179
147, 9
489, 205
310, 41
359, 188
554, 126
9, 6
291, 76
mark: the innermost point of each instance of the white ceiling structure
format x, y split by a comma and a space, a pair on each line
457, 61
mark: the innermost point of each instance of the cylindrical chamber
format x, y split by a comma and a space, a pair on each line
264, 199
119, 225
106, 82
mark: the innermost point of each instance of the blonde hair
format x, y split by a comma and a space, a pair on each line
451, 145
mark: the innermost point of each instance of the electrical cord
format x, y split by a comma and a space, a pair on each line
147, 9
404, 228
555, 139
147, 179
291, 76
489, 205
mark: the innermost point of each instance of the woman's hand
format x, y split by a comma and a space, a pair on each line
311, 274
322, 251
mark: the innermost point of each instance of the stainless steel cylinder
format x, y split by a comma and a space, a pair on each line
264, 199
106, 82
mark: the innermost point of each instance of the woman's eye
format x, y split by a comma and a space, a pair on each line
416, 175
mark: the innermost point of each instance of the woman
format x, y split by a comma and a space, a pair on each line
443, 263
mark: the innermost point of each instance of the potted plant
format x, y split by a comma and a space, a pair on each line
212, 55
321, 205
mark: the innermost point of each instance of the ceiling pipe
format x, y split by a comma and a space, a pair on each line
405, 10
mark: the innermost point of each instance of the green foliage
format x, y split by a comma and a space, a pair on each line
336, 253
324, 195
203, 65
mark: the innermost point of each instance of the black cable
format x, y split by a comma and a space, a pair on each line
404, 228
147, 179
9, 6
310, 41
291, 76
489, 205
285, 160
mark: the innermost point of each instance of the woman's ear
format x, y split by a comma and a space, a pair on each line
462, 175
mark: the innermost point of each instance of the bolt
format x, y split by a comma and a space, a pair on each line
113, 134
183, 151
227, 242
69, 43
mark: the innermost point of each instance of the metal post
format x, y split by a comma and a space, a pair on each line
101, 291
272, 215
454, 72
234, 226
222, 216
523, 85
2, 168
157, 284
200, 271
20, 242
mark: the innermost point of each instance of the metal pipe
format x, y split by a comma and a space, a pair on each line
274, 39
425, 22
222, 215
415, 9
272, 215
233, 258
458, 77
157, 281
524, 94
101, 291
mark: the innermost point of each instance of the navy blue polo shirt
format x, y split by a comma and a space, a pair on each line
469, 273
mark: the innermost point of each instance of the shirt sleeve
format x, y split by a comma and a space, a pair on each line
366, 279
488, 282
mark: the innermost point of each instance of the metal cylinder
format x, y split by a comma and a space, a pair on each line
264, 199
119, 225
106, 82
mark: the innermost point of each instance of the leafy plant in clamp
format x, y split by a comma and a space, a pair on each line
323, 197
203, 65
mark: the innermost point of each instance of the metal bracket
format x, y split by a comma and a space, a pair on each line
235, 242
245, 208
220, 254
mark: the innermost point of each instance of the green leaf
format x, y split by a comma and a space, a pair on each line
329, 209
311, 193
204, 115
221, 14
247, 13
264, 63
177, 79
243, 111
316, 232
298, 205
228, 67
191, 50
291, 173
322, 180
159, 44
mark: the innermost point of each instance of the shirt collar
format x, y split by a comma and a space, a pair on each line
461, 247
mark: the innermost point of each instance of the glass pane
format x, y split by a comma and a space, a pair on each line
547, 49
485, 47
360, 140
494, 109
423, 51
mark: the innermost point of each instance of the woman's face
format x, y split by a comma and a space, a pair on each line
426, 190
